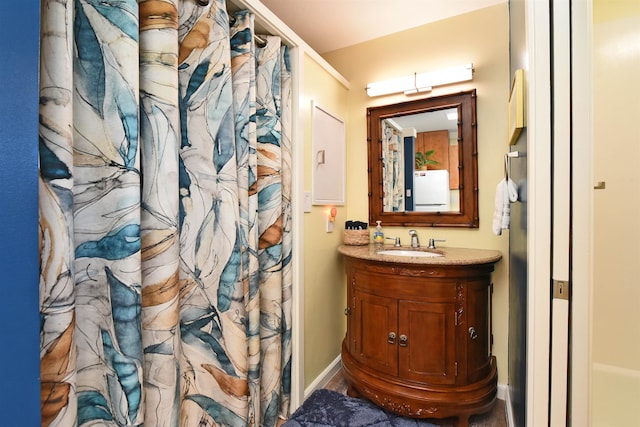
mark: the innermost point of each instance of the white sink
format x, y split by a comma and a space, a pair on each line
408, 253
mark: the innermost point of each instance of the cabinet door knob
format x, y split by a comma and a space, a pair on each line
403, 340
391, 339
472, 333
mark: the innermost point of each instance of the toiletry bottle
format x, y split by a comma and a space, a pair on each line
378, 235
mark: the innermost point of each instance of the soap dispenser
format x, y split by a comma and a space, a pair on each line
378, 235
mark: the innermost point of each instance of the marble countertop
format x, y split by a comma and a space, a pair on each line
451, 256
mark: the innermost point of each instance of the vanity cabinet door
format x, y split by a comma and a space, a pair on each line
375, 332
428, 354
476, 331
349, 311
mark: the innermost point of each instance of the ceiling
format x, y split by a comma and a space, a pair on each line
327, 25
432, 120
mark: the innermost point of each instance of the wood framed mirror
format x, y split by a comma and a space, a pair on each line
439, 131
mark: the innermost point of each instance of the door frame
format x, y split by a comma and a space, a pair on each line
582, 191
561, 217
538, 212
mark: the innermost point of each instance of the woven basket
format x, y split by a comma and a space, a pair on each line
356, 237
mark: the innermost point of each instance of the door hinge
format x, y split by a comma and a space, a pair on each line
561, 289
456, 369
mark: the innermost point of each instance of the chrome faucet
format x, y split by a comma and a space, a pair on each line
415, 243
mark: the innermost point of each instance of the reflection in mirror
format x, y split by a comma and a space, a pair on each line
420, 162
421, 155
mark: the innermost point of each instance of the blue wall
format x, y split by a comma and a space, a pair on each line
19, 319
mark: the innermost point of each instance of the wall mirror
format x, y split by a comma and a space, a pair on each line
423, 162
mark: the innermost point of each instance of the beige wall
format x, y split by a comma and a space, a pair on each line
324, 291
479, 37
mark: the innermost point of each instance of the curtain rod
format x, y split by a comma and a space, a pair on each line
261, 41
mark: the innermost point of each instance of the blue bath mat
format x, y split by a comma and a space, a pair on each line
327, 408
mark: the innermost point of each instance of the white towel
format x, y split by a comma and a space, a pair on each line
506, 192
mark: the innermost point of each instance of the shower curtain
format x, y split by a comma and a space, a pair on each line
392, 169
165, 216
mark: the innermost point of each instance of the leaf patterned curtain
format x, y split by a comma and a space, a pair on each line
165, 216
392, 168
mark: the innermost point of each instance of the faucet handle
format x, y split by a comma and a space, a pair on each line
432, 242
397, 241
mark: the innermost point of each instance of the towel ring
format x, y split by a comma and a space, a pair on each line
507, 163
506, 167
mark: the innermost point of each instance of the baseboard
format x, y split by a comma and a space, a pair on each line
325, 376
508, 407
502, 391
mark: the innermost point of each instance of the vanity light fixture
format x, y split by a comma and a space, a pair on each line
422, 82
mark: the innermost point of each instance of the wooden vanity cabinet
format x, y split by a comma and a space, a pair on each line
418, 339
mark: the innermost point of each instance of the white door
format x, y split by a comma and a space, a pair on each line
549, 168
